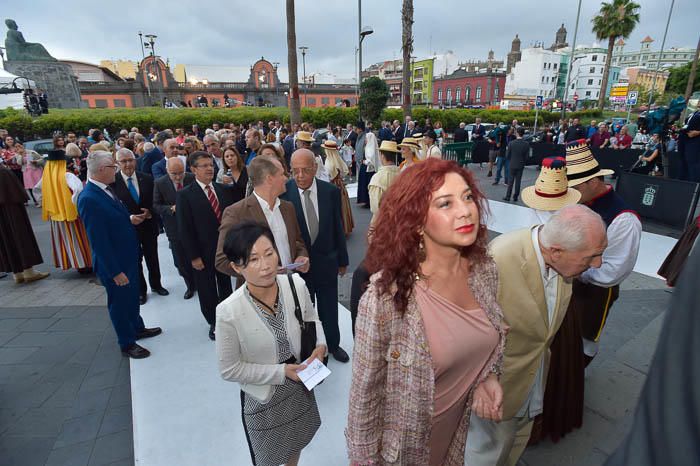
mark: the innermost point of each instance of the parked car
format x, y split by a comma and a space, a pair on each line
42, 146
487, 126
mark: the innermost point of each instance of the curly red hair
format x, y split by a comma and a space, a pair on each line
394, 243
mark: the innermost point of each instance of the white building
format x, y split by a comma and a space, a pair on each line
647, 58
535, 74
587, 73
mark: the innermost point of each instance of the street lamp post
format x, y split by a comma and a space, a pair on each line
303, 64
361, 34
571, 63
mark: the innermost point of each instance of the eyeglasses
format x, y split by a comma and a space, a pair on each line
115, 167
125, 161
307, 170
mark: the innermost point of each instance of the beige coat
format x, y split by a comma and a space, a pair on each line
522, 299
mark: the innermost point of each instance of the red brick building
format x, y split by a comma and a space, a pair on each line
463, 88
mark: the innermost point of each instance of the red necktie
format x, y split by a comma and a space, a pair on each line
214, 203
179, 186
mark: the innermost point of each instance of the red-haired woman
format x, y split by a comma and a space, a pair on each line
429, 334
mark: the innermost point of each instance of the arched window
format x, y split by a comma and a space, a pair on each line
449, 95
478, 93
467, 93
458, 94
439, 95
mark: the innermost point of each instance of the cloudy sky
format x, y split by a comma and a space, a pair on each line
237, 32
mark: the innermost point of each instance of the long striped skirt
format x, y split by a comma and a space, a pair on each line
70, 246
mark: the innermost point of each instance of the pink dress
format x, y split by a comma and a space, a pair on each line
31, 173
461, 342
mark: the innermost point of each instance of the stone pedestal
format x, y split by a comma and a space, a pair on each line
57, 79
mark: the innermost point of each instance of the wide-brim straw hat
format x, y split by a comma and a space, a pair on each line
417, 136
551, 191
389, 146
581, 166
409, 142
330, 145
305, 136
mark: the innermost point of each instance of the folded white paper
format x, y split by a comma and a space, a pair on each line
314, 373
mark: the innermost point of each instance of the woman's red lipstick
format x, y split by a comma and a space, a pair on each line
466, 228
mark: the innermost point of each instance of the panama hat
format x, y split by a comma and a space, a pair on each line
409, 142
581, 166
417, 136
550, 191
305, 136
330, 145
389, 146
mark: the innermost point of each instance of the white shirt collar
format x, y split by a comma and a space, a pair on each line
204, 186
547, 273
133, 177
265, 205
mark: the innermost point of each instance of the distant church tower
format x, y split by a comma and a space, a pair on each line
514, 54
560, 39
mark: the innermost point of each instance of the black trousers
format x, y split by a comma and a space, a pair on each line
149, 251
360, 281
325, 297
212, 288
183, 266
516, 175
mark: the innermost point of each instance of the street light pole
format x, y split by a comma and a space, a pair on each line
303, 64
661, 52
361, 33
571, 64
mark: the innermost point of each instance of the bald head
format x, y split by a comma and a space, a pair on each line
174, 163
303, 167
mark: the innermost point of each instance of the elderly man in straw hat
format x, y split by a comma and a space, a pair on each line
599, 288
535, 268
593, 293
385, 176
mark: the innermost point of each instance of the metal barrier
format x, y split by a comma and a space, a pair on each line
460, 152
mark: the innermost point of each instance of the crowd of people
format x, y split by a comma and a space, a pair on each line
464, 351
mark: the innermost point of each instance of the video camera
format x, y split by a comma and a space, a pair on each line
659, 121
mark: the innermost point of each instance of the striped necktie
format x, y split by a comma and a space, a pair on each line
214, 203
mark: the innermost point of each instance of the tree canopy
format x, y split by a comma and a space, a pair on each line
374, 94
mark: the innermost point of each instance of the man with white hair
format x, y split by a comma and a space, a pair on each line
171, 149
135, 190
213, 146
115, 252
535, 267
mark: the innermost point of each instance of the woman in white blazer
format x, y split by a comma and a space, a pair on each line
258, 340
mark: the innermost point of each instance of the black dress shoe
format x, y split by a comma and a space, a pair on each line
135, 351
188, 294
162, 291
515, 199
506, 199
212, 333
142, 299
340, 355
148, 333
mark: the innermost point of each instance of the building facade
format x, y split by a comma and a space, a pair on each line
390, 72
645, 57
514, 55
422, 81
465, 88
643, 78
586, 76
537, 73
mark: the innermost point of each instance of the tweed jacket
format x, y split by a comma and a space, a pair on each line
393, 380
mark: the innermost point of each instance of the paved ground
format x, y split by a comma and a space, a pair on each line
65, 389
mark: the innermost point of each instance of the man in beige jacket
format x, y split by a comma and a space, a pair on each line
535, 268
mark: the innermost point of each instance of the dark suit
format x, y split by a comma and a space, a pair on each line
148, 230
164, 197
328, 253
385, 134
461, 135
517, 153
478, 132
249, 210
198, 229
145, 163
115, 249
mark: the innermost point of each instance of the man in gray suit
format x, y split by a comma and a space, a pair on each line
517, 153
164, 194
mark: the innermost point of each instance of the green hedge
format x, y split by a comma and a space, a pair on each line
24, 127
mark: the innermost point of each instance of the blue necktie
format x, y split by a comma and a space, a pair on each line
132, 189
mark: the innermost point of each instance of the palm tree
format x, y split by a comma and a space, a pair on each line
615, 20
407, 48
294, 105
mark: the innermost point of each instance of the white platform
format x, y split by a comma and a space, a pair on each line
185, 414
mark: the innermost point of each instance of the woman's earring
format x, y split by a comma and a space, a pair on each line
421, 248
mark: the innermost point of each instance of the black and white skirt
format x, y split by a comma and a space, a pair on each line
282, 427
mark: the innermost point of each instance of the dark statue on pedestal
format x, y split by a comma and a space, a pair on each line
19, 49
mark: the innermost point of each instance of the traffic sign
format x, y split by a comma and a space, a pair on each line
538, 101
632, 97
575, 96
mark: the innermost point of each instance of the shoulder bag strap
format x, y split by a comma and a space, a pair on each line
297, 307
